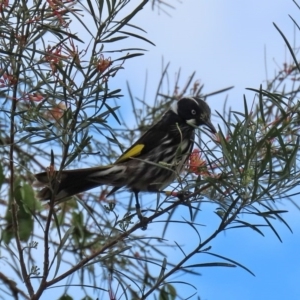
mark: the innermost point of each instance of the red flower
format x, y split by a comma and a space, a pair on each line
197, 165
103, 63
35, 97
57, 111
3, 4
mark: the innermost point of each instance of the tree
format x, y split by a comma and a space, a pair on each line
55, 89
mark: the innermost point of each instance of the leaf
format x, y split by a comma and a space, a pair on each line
114, 39
65, 297
137, 36
289, 46
168, 292
45, 140
246, 224
129, 56
2, 177
162, 270
58, 255
24, 218
230, 260
29, 201
213, 264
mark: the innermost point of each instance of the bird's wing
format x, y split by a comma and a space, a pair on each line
134, 151
151, 139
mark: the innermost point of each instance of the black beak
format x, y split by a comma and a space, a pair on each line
210, 126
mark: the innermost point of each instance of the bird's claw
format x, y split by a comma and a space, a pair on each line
181, 195
143, 220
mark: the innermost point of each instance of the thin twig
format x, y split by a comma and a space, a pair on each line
122, 236
26, 278
13, 287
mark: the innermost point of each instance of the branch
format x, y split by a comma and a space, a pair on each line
13, 287
26, 278
123, 236
14, 206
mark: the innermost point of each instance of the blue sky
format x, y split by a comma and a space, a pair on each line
225, 43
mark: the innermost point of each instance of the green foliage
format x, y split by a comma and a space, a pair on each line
168, 292
65, 297
55, 94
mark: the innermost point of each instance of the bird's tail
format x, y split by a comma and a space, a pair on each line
72, 182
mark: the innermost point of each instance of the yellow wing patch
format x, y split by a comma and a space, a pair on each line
132, 152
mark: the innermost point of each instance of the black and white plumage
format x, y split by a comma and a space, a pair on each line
150, 164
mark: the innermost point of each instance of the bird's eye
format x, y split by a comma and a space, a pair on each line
193, 112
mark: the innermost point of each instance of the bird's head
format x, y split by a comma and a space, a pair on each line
194, 112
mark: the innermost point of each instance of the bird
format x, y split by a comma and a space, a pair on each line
152, 163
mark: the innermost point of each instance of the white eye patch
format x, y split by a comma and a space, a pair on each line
192, 122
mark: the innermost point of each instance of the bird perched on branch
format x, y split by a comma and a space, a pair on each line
150, 164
